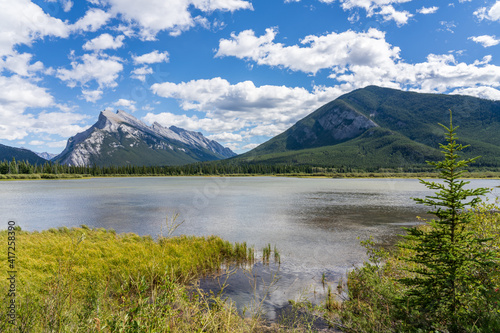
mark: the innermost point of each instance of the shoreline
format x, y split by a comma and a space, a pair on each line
368, 175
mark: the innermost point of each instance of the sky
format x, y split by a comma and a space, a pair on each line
238, 71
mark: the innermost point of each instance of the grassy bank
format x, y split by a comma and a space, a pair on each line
94, 280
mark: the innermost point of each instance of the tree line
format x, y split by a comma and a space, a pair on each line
223, 167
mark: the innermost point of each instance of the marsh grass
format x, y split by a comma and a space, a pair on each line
95, 280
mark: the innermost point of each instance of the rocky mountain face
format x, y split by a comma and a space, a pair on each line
377, 127
121, 139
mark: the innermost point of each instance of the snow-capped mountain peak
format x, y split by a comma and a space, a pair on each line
120, 139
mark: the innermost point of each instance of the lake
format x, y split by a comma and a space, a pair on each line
316, 224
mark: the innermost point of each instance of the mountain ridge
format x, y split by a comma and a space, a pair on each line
359, 128
7, 153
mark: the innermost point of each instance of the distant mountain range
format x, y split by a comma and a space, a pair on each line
45, 155
378, 127
121, 139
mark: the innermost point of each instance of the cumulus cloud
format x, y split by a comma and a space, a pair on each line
481, 92
192, 123
485, 40
93, 20
174, 16
22, 22
67, 5
103, 42
388, 13
383, 8
20, 64
58, 123
18, 94
151, 58
101, 68
360, 59
57, 144
126, 103
427, 10
492, 13
335, 50
250, 146
92, 95
141, 72
225, 136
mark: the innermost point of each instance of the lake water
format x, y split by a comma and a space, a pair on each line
316, 224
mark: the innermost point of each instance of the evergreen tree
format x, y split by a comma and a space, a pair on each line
447, 259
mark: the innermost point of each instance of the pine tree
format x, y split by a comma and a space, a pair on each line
446, 257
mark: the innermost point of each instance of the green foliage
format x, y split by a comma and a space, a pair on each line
448, 257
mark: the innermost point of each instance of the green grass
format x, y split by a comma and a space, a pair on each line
94, 280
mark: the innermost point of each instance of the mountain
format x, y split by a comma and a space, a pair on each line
121, 139
45, 155
20, 154
378, 127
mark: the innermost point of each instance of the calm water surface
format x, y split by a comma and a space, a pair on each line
315, 223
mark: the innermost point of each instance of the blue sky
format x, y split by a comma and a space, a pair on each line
239, 71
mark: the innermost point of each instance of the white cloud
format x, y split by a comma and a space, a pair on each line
151, 58
67, 5
192, 123
18, 94
94, 67
103, 42
58, 123
57, 144
383, 8
20, 64
141, 72
250, 146
126, 103
21, 93
229, 108
318, 52
485, 40
492, 13
92, 95
36, 143
174, 16
481, 92
427, 10
225, 136
361, 59
389, 13
22, 22
93, 20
